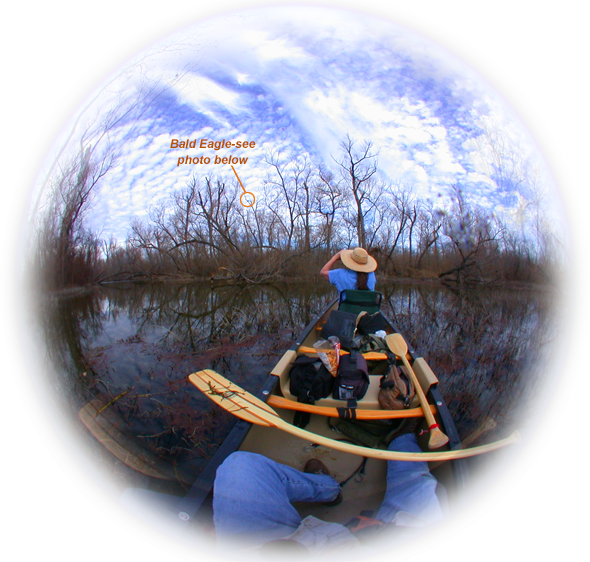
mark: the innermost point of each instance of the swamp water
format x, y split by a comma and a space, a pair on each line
128, 350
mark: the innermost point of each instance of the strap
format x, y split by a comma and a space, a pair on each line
307, 383
301, 419
347, 413
386, 383
409, 387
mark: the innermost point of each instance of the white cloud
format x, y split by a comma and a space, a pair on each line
309, 95
197, 91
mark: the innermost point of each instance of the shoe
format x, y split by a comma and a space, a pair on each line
316, 466
410, 426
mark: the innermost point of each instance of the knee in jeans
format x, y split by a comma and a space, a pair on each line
238, 465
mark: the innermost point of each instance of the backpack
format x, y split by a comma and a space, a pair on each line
342, 325
309, 380
370, 342
371, 323
396, 390
368, 433
352, 380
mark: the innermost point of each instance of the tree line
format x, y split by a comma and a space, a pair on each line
304, 212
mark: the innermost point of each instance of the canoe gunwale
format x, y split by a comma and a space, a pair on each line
190, 504
201, 489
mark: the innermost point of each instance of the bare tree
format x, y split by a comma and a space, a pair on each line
131, 95
282, 191
63, 240
82, 161
328, 202
358, 166
471, 233
430, 226
391, 236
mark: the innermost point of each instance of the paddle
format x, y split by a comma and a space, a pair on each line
399, 347
246, 406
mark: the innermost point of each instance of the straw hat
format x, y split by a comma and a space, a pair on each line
358, 260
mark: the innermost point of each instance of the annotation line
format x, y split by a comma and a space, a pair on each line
249, 194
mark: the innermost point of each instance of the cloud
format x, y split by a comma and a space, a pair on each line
297, 83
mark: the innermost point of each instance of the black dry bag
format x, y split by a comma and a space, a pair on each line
342, 325
309, 380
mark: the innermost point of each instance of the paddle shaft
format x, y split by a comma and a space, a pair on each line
399, 347
421, 396
246, 406
394, 455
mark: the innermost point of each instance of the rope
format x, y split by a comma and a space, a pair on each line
359, 470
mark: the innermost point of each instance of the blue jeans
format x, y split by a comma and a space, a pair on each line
252, 494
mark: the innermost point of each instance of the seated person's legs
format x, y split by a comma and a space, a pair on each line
410, 487
252, 497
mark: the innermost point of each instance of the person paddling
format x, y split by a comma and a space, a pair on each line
357, 273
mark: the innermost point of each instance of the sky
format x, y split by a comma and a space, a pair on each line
297, 81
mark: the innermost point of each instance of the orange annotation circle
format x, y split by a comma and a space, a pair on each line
245, 201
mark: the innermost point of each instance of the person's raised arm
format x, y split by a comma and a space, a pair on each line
325, 271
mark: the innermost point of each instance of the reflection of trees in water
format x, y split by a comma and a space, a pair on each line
485, 346
68, 324
196, 317
480, 345
170, 331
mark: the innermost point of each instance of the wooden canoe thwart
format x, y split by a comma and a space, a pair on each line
104, 431
369, 355
360, 414
244, 405
294, 440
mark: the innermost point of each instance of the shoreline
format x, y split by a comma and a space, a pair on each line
79, 290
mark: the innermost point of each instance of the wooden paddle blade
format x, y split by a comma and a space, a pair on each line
397, 344
242, 404
231, 386
232, 398
437, 438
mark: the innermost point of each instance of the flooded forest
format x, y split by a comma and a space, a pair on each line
129, 349
305, 212
203, 282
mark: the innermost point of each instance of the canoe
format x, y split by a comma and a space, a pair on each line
364, 473
364, 490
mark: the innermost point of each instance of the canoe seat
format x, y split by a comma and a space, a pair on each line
358, 301
368, 402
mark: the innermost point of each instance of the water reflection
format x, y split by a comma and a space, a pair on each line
487, 346
127, 350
